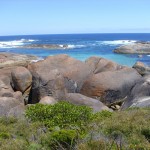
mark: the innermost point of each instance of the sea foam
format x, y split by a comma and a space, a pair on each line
117, 42
14, 43
76, 46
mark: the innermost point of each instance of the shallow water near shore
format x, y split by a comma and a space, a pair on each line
80, 46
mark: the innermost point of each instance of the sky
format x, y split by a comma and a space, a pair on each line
26, 17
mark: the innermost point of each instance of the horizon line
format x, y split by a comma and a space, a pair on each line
75, 33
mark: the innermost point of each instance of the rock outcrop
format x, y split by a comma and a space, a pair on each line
44, 46
140, 94
22, 79
9, 60
12, 100
98, 64
141, 68
66, 73
110, 87
48, 100
135, 48
97, 82
80, 99
47, 83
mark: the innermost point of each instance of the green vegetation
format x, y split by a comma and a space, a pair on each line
62, 114
66, 126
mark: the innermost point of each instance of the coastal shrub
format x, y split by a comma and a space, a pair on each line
4, 135
34, 146
8, 120
102, 115
146, 133
63, 138
66, 122
62, 114
126, 129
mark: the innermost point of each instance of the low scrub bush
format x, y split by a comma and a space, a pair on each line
62, 114
65, 126
60, 139
4, 135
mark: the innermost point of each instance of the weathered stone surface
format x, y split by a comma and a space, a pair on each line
5, 88
66, 73
48, 100
17, 111
140, 94
98, 64
10, 60
73, 70
111, 87
135, 48
80, 99
141, 68
18, 95
22, 79
47, 83
6, 93
7, 104
6, 80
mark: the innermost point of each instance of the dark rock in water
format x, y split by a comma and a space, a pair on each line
110, 87
80, 99
99, 64
45, 46
135, 48
140, 94
141, 68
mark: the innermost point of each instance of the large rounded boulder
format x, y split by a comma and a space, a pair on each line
79, 99
74, 71
98, 64
140, 94
57, 72
11, 107
141, 68
111, 87
47, 83
22, 79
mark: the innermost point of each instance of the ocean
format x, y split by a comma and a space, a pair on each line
80, 46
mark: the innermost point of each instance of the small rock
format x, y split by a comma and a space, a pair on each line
141, 68
48, 100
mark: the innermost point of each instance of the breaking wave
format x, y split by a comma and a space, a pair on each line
15, 43
75, 46
117, 42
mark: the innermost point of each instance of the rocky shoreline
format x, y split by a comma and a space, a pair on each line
44, 46
98, 83
134, 48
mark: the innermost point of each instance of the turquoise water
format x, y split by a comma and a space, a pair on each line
81, 46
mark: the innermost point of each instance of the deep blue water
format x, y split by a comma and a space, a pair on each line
81, 46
